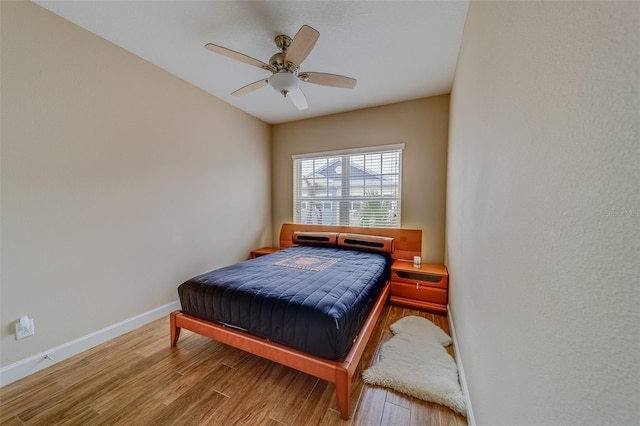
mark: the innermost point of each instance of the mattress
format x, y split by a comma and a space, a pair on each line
314, 299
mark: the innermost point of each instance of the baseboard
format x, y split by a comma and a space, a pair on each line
471, 421
35, 363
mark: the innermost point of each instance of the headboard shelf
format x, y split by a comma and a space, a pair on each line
407, 242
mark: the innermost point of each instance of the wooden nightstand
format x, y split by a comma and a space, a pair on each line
263, 251
425, 287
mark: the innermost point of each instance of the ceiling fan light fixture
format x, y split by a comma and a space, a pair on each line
284, 82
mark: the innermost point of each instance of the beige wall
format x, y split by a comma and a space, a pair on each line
543, 213
119, 181
422, 125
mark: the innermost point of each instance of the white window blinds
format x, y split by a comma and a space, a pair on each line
359, 187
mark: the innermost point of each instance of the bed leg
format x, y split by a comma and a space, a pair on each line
343, 392
175, 331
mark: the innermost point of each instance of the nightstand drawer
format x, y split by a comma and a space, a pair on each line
422, 292
412, 277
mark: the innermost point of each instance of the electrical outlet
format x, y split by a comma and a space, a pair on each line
22, 331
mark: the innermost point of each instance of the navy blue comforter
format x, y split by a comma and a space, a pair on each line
314, 299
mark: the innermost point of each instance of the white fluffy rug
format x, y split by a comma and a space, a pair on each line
415, 362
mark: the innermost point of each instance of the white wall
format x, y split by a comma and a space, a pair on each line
543, 212
119, 181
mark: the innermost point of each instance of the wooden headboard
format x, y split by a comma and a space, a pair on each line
407, 242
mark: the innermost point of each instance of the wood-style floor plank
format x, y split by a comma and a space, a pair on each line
395, 415
139, 379
371, 407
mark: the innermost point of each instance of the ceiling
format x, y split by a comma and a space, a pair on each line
397, 50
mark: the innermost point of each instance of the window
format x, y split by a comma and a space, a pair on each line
356, 187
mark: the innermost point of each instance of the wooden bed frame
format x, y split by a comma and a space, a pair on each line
408, 243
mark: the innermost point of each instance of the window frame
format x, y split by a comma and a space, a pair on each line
344, 215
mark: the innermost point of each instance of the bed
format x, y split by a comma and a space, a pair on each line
311, 306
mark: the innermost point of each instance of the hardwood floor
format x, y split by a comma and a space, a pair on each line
138, 379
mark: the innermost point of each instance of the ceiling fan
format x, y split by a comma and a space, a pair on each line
285, 67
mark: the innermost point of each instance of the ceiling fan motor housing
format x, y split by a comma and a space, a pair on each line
278, 64
277, 61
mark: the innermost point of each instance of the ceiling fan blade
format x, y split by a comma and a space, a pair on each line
251, 87
237, 56
325, 79
301, 45
298, 99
